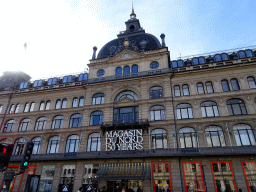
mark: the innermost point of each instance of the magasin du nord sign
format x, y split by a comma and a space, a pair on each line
124, 140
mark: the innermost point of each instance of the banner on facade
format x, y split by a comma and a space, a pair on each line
124, 140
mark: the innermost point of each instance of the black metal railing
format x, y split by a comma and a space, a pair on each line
170, 152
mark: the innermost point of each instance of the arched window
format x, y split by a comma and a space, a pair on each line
185, 90
96, 118
72, 144
41, 107
53, 145
52, 81
75, 102
23, 85
94, 142
224, 56
18, 146
209, 109
235, 84
1, 108
37, 145
97, 99
24, 125
57, 122
47, 106
8, 126
26, 108
184, 111
118, 71
126, 70
177, 91
188, 138
154, 65
217, 58
75, 120
225, 85
200, 88
157, 113
236, 107
128, 94
83, 77
17, 108
195, 61
244, 135
135, 69
209, 87
248, 53
57, 106
214, 136
12, 109
201, 60
81, 102
251, 82
241, 54
32, 107
158, 139
174, 64
40, 123
67, 79
180, 63
64, 103
155, 92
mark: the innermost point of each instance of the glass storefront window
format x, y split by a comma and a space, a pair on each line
46, 180
249, 168
223, 176
90, 173
193, 177
67, 174
161, 177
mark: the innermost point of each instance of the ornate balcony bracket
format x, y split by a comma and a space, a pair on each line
122, 125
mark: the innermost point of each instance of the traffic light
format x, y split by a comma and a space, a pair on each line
5, 154
26, 157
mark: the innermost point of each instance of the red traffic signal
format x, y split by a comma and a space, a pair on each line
5, 154
6, 149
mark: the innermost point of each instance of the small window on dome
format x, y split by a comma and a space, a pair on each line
154, 65
101, 73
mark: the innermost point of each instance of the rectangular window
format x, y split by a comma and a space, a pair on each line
249, 168
223, 176
67, 174
90, 173
193, 176
46, 180
161, 177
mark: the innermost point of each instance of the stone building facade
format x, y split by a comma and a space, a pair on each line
138, 121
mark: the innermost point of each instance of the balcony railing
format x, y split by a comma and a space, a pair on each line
125, 124
171, 152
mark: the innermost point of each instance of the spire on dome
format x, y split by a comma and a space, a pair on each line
133, 15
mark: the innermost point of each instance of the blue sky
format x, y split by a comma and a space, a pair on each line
60, 34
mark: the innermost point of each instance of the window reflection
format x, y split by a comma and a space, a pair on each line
214, 136
223, 176
193, 176
158, 139
249, 168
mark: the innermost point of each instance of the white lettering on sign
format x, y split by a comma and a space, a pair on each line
124, 140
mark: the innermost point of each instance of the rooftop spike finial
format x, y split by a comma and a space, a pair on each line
132, 7
133, 15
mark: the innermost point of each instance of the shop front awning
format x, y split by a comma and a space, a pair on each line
125, 171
